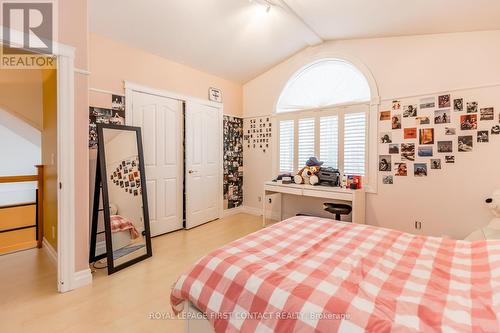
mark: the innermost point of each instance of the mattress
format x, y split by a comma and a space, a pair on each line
308, 274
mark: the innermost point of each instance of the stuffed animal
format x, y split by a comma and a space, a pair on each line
307, 175
493, 228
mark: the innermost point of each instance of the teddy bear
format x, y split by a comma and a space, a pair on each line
493, 227
308, 174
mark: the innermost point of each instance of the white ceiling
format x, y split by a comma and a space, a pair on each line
238, 40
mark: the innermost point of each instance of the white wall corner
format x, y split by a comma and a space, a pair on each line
50, 251
81, 278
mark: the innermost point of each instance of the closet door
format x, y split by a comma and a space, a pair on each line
203, 164
162, 129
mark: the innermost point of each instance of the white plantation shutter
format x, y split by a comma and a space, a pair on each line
306, 140
354, 143
329, 141
286, 145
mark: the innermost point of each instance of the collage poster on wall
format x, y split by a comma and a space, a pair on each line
233, 162
115, 115
431, 133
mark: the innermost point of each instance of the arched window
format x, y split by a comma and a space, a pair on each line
324, 83
323, 112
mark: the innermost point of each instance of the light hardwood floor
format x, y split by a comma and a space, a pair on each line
118, 303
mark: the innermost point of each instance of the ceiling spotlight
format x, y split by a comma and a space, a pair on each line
268, 4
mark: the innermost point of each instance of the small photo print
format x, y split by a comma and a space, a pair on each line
450, 131
393, 148
385, 137
426, 136
449, 159
445, 146
420, 169
384, 163
435, 164
396, 105
468, 122
487, 114
483, 136
444, 101
472, 107
423, 120
401, 169
465, 143
458, 104
388, 180
118, 102
495, 130
396, 121
409, 111
410, 133
442, 116
425, 151
428, 103
408, 151
385, 115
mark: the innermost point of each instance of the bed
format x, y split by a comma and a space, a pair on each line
309, 274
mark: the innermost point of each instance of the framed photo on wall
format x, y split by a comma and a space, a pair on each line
215, 95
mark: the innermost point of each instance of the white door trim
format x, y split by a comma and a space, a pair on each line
66, 251
131, 87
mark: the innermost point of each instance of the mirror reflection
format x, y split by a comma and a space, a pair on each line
125, 195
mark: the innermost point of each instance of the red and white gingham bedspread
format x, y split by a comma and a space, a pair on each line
310, 271
119, 223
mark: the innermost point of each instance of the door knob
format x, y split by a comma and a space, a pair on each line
191, 171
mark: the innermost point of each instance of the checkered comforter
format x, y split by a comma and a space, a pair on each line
309, 274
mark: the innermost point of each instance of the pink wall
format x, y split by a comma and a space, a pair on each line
73, 31
112, 62
449, 203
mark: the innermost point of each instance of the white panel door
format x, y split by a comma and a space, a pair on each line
203, 164
162, 130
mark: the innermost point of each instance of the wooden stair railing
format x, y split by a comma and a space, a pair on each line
39, 202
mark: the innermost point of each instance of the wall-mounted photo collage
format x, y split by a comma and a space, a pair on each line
258, 133
115, 115
233, 162
420, 136
126, 176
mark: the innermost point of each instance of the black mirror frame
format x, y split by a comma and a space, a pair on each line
105, 198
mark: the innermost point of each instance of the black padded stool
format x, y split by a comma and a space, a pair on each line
337, 209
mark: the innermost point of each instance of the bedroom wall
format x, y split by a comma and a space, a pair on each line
449, 204
112, 62
73, 17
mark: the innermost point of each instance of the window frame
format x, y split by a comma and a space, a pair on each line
339, 111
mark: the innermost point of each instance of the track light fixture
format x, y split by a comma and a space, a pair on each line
268, 4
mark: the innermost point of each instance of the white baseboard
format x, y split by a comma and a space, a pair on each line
251, 210
81, 278
232, 211
258, 212
51, 252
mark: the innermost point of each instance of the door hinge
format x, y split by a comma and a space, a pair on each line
60, 185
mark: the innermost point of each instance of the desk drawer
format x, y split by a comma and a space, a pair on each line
328, 195
283, 189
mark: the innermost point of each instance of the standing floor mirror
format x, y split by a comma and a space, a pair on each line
120, 220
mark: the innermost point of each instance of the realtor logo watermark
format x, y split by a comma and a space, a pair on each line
28, 35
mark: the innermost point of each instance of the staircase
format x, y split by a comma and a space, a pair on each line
21, 225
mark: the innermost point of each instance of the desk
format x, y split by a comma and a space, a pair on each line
355, 197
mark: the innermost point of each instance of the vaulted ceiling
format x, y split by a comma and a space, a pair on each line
240, 39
